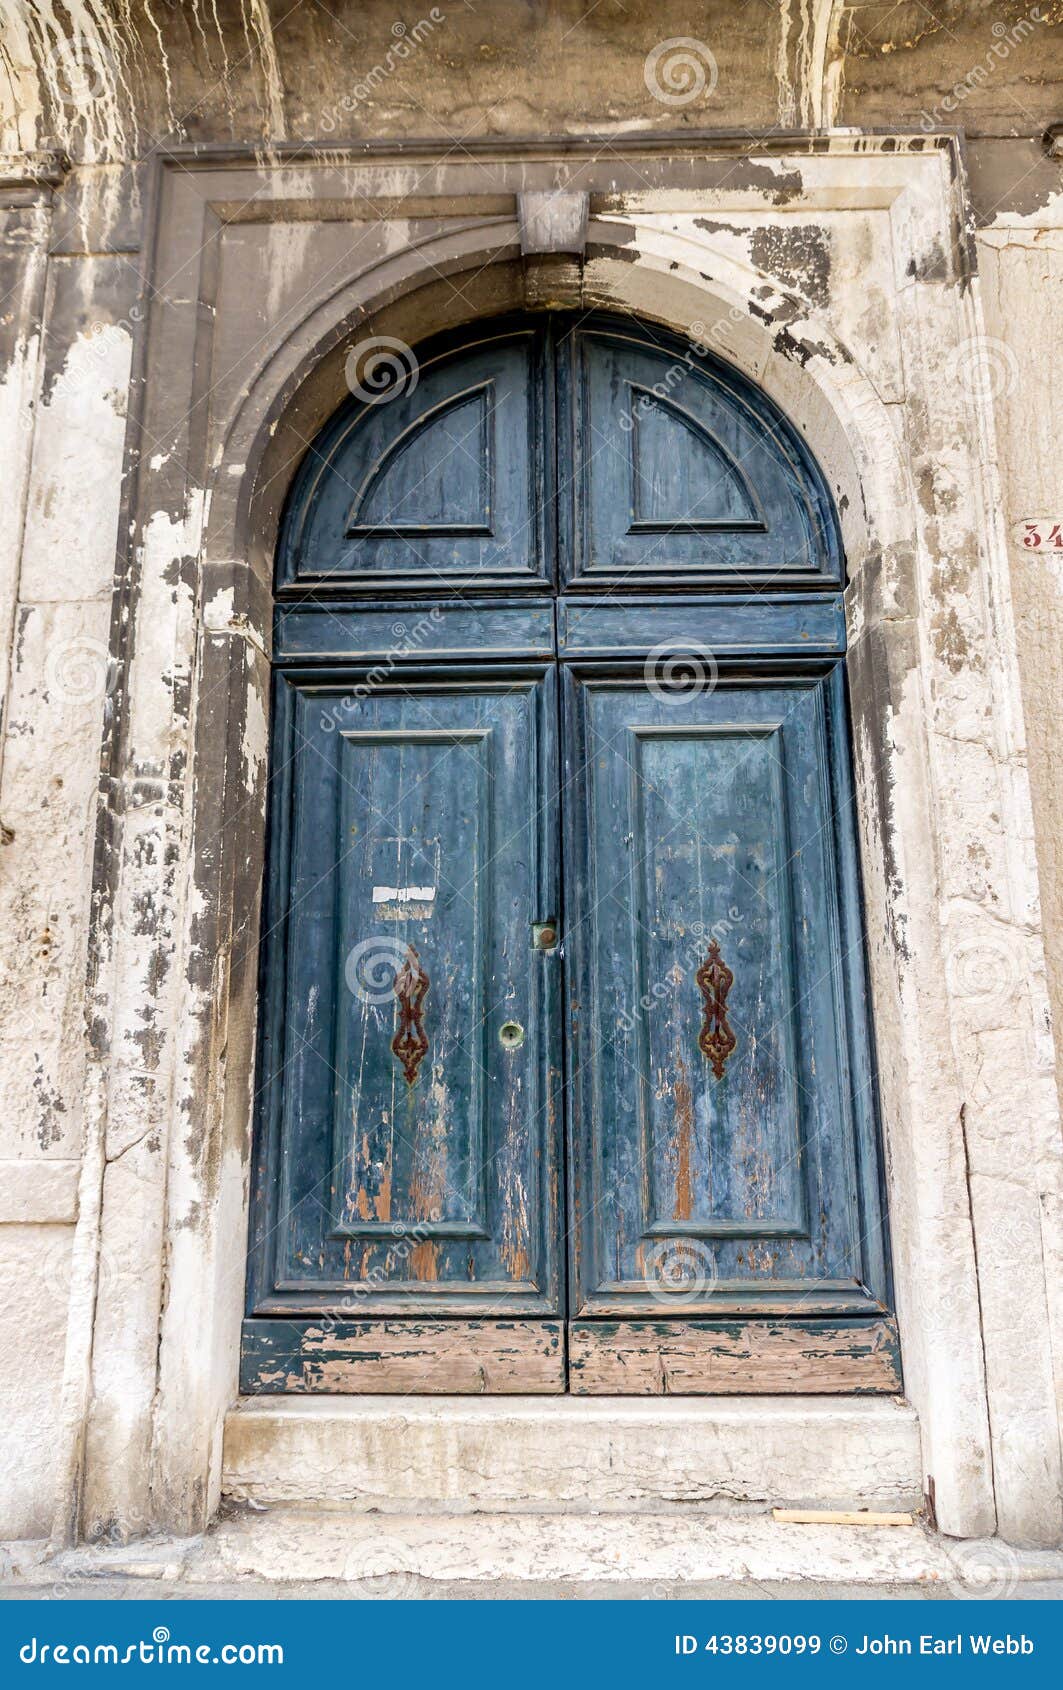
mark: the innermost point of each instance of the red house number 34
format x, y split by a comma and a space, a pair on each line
1042, 535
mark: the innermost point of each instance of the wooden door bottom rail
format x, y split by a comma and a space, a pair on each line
734, 1357
836, 1357
391, 1357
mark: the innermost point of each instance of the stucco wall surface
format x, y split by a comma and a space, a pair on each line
105, 625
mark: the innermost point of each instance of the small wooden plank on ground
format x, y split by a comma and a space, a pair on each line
839, 1517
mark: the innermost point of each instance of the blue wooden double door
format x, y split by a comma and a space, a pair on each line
565, 1075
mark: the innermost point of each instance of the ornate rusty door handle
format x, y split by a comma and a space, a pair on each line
716, 1039
410, 1043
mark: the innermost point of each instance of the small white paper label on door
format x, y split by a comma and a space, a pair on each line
404, 903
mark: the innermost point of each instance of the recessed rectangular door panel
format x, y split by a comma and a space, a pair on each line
722, 1159
411, 1043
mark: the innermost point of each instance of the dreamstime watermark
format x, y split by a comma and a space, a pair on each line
372, 967
690, 958
680, 70
407, 37
983, 969
983, 367
644, 399
159, 1650
381, 368
401, 1240
411, 640
79, 670
983, 1572
77, 75
676, 672
701, 341
1006, 37
679, 1270
385, 1565
92, 358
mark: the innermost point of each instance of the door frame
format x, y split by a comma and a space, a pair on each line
143, 1414
365, 1339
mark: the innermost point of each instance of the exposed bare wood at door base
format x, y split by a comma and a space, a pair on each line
382, 1357
721, 1358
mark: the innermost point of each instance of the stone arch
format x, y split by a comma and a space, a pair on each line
447, 281
450, 280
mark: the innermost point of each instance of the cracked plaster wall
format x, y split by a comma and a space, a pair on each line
109, 79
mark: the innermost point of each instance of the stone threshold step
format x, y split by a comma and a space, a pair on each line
398, 1454
664, 1556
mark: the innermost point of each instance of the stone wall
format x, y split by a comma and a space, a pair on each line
85, 117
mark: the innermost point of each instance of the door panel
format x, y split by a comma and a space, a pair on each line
718, 1147
414, 1154
681, 477
438, 482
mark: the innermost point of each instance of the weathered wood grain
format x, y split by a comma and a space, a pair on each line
719, 1358
707, 812
725, 1184
387, 1357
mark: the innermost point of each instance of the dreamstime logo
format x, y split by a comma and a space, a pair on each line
1005, 40
412, 639
79, 670
690, 958
381, 368
679, 1270
982, 969
408, 1236
386, 1564
160, 1650
372, 966
680, 70
405, 40
676, 673
983, 367
983, 1572
78, 76
53, 1268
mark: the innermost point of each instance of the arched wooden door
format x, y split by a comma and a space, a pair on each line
565, 1069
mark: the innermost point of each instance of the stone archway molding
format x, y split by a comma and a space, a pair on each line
834, 279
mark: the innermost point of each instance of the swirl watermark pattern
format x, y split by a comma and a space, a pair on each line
79, 670
386, 1565
79, 75
983, 367
983, 1572
372, 967
983, 969
679, 1270
381, 368
680, 70
676, 673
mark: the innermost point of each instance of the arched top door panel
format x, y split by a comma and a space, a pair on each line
577, 451
684, 473
440, 483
